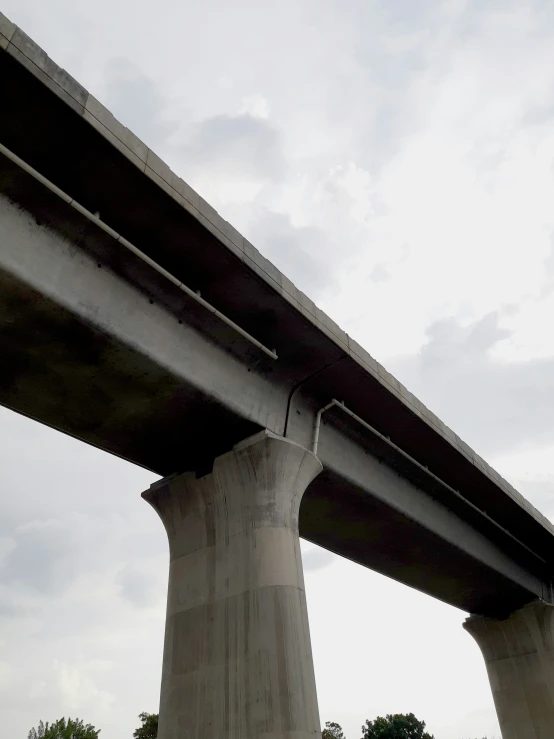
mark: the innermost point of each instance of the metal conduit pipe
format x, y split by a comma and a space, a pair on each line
423, 468
317, 424
132, 248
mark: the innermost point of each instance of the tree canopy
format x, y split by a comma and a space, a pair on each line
395, 726
149, 728
332, 731
62, 729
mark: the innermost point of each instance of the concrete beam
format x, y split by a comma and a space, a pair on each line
126, 362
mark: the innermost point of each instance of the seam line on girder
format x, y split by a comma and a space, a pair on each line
423, 468
301, 384
132, 248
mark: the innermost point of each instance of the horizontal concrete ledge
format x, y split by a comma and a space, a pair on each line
267, 434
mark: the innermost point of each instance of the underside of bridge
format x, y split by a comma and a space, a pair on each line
97, 344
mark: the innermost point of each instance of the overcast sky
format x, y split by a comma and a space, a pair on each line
395, 159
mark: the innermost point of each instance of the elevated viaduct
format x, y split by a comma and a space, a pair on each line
136, 319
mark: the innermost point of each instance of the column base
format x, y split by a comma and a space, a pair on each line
519, 654
237, 655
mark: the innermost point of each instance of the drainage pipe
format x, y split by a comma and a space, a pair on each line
423, 468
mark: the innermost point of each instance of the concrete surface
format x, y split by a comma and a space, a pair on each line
237, 655
519, 654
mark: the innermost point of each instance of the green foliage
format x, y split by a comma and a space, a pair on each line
332, 731
62, 729
395, 726
149, 728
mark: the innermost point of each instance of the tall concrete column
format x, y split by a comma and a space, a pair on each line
519, 654
237, 656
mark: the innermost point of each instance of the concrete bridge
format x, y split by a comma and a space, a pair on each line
136, 319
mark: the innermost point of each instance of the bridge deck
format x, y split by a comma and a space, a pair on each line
99, 345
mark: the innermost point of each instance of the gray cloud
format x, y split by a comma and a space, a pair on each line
410, 15
141, 586
42, 558
241, 145
494, 406
303, 254
540, 493
380, 274
316, 559
136, 100
9, 605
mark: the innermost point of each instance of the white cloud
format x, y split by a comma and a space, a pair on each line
5, 674
534, 463
78, 691
254, 105
382, 648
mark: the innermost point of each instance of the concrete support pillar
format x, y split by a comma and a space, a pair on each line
519, 654
237, 656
